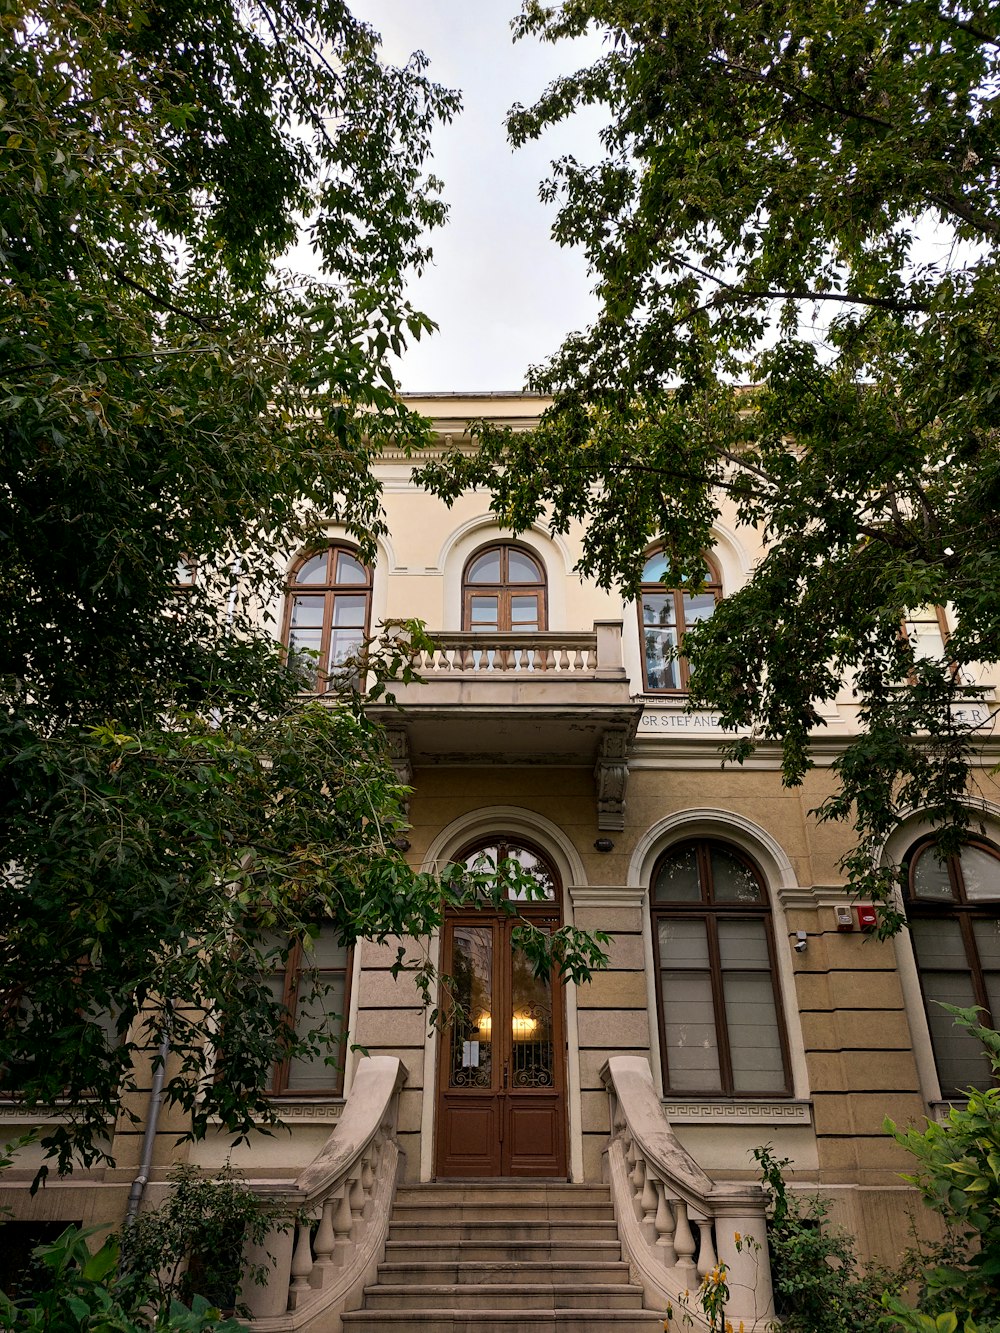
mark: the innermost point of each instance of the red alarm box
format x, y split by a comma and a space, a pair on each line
867, 919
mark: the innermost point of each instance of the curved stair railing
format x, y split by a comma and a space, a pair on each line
674, 1222
334, 1218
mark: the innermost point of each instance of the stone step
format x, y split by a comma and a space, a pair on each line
473, 1251
502, 1192
489, 1273
500, 1229
519, 1296
526, 1320
475, 1209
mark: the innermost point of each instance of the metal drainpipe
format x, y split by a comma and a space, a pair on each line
149, 1137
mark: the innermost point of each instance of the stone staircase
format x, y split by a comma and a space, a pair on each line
521, 1257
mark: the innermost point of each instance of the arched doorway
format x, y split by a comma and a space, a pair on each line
502, 1079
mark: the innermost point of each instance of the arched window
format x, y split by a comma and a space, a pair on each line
504, 589
665, 615
953, 908
721, 1030
534, 864
328, 611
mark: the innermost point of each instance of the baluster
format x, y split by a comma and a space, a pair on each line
302, 1265
664, 1224
637, 1179
578, 661
683, 1238
706, 1250
648, 1204
367, 1185
357, 1193
638, 1175
324, 1244
629, 1144
343, 1222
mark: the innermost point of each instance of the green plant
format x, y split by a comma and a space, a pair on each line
958, 1175
818, 1287
192, 1246
86, 1292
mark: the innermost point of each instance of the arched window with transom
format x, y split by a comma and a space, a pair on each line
665, 615
327, 612
721, 1028
953, 907
503, 589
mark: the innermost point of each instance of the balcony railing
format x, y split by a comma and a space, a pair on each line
594, 655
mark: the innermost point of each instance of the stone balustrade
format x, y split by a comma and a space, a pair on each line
595, 655
333, 1219
676, 1224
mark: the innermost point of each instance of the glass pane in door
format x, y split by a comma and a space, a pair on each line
471, 1026
531, 1051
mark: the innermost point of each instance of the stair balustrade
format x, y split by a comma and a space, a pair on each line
674, 1222
332, 1220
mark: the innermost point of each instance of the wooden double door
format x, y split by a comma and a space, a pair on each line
501, 1094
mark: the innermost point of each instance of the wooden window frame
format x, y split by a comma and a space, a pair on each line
965, 912
707, 910
712, 584
292, 973
942, 623
329, 590
504, 589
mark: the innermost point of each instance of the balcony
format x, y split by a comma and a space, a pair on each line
548, 697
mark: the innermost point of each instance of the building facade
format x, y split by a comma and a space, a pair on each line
549, 724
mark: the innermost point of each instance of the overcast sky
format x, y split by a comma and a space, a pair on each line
502, 292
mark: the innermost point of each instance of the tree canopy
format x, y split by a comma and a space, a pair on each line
793, 235
171, 399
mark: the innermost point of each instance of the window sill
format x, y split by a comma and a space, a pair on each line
737, 1111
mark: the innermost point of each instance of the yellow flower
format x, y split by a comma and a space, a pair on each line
738, 1238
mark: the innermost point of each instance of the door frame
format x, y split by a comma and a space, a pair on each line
502, 1103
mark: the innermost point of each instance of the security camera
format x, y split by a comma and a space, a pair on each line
801, 941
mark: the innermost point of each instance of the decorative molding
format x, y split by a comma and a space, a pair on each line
938, 1111
14, 1113
747, 1112
320, 1113
701, 821
611, 777
398, 743
489, 820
